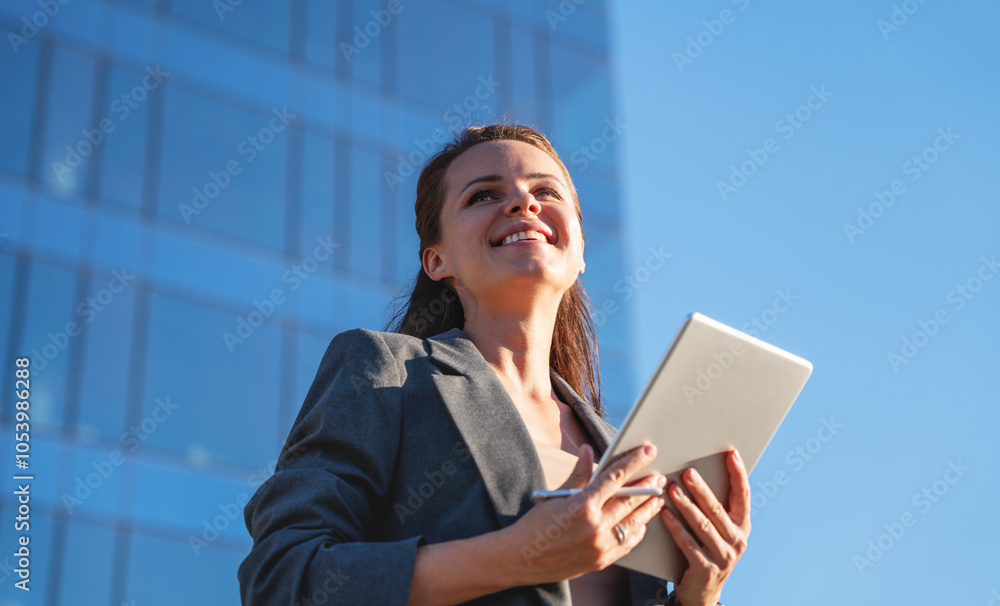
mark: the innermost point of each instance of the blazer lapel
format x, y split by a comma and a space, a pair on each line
599, 429
493, 428
489, 422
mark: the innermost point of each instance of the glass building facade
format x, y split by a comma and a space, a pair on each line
195, 196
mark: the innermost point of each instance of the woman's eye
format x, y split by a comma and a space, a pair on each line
479, 195
549, 191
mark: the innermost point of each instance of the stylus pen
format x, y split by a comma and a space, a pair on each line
541, 495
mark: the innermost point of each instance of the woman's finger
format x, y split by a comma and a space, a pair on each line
620, 470
685, 541
636, 520
617, 508
703, 528
710, 506
739, 491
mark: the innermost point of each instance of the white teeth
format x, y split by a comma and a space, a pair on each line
523, 235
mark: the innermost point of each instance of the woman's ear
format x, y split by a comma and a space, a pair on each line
434, 266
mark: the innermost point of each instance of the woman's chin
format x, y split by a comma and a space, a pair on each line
532, 276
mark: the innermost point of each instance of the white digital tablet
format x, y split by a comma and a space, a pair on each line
715, 389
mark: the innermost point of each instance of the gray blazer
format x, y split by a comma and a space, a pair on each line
400, 442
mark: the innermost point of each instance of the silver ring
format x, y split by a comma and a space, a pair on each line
621, 534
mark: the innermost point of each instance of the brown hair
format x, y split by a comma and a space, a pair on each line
434, 306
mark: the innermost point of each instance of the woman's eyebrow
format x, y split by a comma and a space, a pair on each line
540, 176
485, 179
497, 178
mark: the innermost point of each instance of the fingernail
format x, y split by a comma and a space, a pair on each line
661, 481
668, 514
649, 450
736, 454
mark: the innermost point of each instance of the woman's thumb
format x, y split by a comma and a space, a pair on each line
583, 470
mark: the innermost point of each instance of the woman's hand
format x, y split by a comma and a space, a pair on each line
561, 539
723, 532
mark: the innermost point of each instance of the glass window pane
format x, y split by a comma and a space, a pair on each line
209, 578
225, 404
92, 575
586, 24
581, 102
17, 102
366, 224
468, 55
323, 38
224, 167
224, 271
309, 353
260, 22
84, 489
8, 267
407, 261
123, 163
107, 358
364, 39
207, 495
70, 129
318, 191
524, 84
50, 334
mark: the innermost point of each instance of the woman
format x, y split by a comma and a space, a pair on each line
407, 473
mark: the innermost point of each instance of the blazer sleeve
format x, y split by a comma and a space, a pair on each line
316, 522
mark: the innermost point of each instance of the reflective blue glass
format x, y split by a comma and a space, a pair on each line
224, 167
367, 228
263, 23
257, 200
123, 160
18, 101
164, 572
189, 366
50, 335
87, 576
319, 174
107, 358
72, 134
468, 55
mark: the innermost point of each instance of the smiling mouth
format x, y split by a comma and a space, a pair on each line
527, 236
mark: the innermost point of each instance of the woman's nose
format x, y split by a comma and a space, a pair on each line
521, 202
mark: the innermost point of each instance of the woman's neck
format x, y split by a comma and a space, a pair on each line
517, 346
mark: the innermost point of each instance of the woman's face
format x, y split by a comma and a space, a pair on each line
494, 189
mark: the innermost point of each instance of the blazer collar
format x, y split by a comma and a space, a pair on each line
491, 425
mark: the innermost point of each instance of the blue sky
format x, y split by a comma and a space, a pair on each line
806, 113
